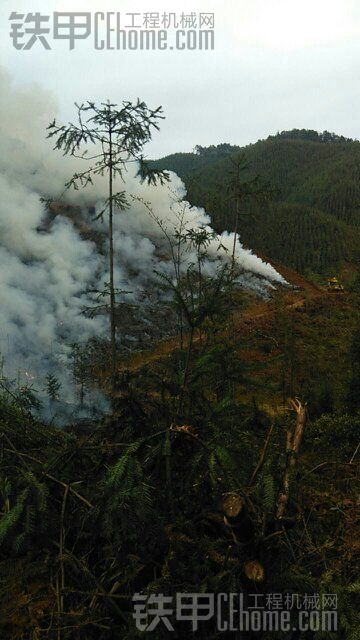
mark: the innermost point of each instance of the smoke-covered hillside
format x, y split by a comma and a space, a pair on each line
51, 271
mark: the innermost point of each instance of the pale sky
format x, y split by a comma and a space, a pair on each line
277, 64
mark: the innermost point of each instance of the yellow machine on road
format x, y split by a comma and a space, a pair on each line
334, 286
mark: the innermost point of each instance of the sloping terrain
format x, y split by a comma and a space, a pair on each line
312, 222
244, 319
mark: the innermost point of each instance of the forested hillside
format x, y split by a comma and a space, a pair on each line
310, 222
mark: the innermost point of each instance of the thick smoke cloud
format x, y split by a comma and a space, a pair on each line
45, 271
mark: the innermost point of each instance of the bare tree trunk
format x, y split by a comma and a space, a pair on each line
236, 223
262, 456
111, 267
235, 238
293, 442
187, 369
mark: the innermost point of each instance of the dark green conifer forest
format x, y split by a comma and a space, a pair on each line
311, 222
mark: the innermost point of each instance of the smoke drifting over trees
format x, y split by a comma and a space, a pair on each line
47, 268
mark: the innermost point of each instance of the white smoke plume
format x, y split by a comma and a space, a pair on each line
45, 272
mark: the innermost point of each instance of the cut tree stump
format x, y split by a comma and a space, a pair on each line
233, 507
237, 519
254, 571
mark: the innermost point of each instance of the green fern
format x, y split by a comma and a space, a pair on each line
10, 519
19, 542
268, 493
212, 468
